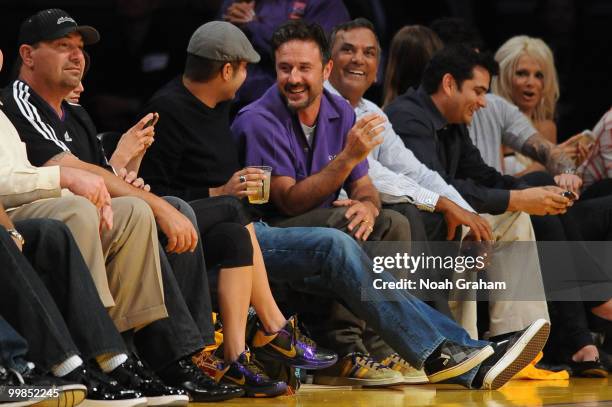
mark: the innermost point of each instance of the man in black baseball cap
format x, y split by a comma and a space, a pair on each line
53, 38
51, 24
52, 61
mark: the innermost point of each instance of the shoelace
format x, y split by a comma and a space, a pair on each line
395, 359
368, 362
253, 367
18, 376
299, 336
146, 374
196, 373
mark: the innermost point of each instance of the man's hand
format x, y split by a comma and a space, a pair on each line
363, 137
362, 216
106, 218
237, 187
132, 178
454, 215
240, 12
85, 184
178, 229
539, 201
569, 182
135, 141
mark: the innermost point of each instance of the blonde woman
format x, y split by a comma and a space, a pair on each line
528, 78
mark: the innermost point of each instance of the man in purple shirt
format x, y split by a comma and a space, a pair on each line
259, 19
310, 139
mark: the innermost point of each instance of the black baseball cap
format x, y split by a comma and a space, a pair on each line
51, 24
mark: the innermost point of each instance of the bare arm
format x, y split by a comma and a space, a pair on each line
4, 219
543, 151
541, 201
134, 143
294, 198
179, 230
363, 190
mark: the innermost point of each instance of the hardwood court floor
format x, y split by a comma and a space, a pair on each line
574, 392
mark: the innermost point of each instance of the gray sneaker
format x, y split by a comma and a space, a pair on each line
357, 369
411, 374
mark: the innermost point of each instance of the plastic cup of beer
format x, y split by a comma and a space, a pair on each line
263, 192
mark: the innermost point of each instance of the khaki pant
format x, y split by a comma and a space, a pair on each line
124, 262
509, 316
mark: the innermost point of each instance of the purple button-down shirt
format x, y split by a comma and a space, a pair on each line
268, 133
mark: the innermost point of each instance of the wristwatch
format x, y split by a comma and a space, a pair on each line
427, 207
16, 235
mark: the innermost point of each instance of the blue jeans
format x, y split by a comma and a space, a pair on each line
13, 348
334, 262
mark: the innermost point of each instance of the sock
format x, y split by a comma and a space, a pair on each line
110, 361
67, 366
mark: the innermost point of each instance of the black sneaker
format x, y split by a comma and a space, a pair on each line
102, 391
451, 360
184, 374
68, 394
606, 359
511, 356
134, 375
588, 368
244, 372
290, 346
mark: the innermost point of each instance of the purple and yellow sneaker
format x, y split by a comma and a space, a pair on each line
246, 374
290, 346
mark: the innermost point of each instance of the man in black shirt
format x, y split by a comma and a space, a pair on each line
52, 61
186, 161
432, 123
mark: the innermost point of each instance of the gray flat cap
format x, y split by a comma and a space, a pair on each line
222, 41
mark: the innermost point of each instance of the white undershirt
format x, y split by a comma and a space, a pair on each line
308, 132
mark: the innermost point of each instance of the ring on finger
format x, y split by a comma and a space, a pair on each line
242, 179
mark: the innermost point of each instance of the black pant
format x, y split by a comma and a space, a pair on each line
13, 348
189, 327
589, 219
56, 308
597, 190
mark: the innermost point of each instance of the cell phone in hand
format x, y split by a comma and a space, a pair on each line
152, 121
569, 195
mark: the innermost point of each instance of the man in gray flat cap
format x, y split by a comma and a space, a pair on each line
194, 157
